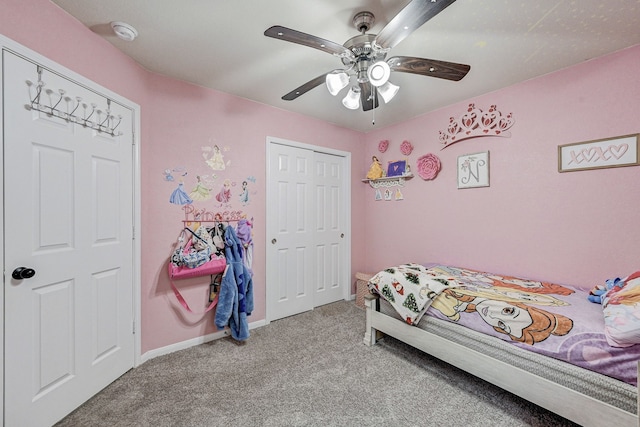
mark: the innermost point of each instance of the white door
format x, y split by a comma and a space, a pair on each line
68, 202
329, 228
307, 220
290, 258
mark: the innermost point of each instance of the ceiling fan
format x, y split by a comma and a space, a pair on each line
363, 56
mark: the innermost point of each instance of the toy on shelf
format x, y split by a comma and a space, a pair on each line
375, 170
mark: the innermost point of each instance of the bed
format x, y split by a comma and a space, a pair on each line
567, 365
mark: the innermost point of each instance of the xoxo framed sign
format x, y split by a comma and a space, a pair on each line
598, 154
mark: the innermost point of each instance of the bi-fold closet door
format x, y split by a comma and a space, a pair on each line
308, 210
68, 242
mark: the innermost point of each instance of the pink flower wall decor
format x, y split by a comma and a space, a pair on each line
383, 145
428, 166
406, 148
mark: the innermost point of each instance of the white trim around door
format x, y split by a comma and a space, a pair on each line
272, 143
7, 44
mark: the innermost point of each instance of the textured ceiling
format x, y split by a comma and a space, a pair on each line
220, 44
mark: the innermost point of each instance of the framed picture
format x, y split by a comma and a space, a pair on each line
397, 168
598, 154
473, 170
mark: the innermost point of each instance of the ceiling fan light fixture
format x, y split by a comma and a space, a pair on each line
336, 81
379, 73
352, 100
364, 69
387, 91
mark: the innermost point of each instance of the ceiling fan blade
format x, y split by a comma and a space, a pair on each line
305, 88
368, 99
428, 67
409, 19
293, 36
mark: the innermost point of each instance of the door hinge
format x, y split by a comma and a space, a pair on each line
134, 327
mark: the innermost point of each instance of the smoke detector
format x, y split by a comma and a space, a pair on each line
124, 31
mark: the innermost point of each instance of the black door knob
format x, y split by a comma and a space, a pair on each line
23, 273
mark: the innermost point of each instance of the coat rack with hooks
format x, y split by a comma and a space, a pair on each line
91, 117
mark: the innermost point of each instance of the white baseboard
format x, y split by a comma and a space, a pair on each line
192, 342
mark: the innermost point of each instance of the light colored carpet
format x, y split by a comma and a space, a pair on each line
306, 370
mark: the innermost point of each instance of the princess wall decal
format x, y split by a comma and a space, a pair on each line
179, 196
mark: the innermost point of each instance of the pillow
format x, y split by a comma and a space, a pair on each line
621, 308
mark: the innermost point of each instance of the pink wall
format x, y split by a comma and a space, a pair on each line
45, 28
576, 227
177, 120
183, 118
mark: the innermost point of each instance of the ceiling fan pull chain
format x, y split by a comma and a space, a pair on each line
373, 110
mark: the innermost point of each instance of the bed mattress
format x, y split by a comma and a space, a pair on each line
604, 388
553, 320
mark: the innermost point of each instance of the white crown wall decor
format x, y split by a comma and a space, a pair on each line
474, 123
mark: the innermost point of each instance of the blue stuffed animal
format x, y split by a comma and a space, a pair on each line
596, 294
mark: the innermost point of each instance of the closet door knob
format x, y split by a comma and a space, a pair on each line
273, 241
23, 273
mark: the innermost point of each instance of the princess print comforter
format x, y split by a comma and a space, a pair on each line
555, 320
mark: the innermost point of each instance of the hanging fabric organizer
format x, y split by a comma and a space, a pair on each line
201, 254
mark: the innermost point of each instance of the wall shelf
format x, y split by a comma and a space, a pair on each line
389, 181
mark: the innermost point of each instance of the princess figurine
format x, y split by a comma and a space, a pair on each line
375, 170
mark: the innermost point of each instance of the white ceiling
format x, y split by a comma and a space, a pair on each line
220, 44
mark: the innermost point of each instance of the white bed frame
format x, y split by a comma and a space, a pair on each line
570, 404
